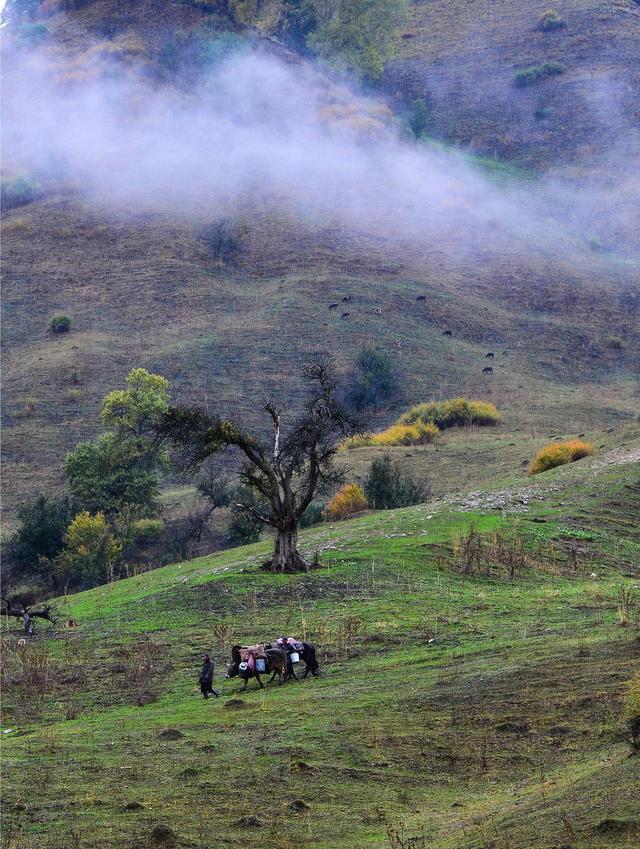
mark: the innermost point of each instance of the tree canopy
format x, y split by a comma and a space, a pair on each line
286, 475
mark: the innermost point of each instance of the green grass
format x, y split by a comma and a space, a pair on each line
469, 707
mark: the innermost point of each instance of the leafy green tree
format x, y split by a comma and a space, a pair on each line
359, 35
119, 472
40, 534
387, 487
376, 381
91, 553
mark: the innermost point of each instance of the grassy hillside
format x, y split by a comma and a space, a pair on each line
474, 709
462, 58
145, 289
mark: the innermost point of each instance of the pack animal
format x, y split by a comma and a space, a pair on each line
333, 306
308, 654
275, 663
487, 370
490, 355
447, 333
421, 298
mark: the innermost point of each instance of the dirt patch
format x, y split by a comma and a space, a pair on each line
171, 734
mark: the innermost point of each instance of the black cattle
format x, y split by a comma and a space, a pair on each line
421, 298
345, 315
490, 355
447, 333
333, 306
487, 370
346, 299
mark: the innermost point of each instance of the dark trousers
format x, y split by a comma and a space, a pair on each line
206, 689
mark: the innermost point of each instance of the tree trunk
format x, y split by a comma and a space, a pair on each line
286, 557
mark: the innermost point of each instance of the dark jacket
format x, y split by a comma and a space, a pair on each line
206, 673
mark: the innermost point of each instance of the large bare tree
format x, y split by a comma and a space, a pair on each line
294, 467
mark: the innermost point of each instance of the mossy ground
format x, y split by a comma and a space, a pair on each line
476, 709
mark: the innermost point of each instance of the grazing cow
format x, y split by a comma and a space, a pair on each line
276, 662
487, 370
447, 333
346, 299
333, 306
377, 311
490, 355
421, 298
345, 315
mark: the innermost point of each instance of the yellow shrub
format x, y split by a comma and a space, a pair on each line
403, 434
453, 413
348, 500
559, 454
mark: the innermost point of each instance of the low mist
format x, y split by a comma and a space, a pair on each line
261, 133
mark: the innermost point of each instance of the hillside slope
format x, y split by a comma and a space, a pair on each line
472, 709
145, 288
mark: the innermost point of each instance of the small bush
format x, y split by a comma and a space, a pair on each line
349, 500
550, 20
528, 76
60, 324
18, 191
387, 486
615, 342
559, 454
455, 412
375, 382
313, 515
222, 239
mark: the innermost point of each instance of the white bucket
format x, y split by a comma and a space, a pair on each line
295, 657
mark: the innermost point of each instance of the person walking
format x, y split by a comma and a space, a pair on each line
206, 677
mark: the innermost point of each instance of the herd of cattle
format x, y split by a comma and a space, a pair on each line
420, 298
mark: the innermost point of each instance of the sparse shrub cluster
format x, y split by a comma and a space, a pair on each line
559, 454
497, 552
616, 343
534, 73
348, 500
60, 324
550, 20
422, 423
456, 412
387, 487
